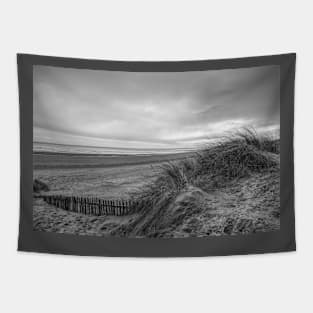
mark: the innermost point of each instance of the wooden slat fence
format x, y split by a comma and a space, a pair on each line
91, 206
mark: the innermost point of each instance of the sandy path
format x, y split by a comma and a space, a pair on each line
250, 205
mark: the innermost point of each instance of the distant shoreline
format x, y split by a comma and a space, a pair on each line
62, 160
109, 154
51, 148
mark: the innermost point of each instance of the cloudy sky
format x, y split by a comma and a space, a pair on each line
177, 110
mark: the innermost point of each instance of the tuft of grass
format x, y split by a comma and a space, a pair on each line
39, 186
262, 142
173, 178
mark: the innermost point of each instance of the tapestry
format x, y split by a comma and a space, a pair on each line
156, 159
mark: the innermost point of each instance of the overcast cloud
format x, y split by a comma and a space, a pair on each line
151, 110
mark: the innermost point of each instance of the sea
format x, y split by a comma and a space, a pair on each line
46, 147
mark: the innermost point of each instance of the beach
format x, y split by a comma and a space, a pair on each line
103, 176
229, 188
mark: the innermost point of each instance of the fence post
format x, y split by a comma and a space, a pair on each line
123, 208
120, 208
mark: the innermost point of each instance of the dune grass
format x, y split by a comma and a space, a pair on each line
236, 156
233, 157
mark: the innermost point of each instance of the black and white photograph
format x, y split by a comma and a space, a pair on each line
156, 154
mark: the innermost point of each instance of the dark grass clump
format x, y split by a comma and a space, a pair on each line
39, 186
236, 156
232, 160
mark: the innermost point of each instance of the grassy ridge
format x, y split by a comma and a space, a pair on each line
240, 155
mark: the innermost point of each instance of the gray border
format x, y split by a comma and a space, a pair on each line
278, 241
